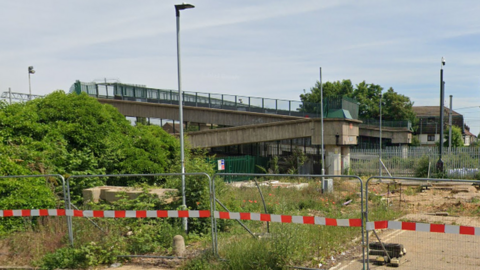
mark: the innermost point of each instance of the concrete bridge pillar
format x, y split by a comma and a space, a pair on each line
345, 158
333, 160
404, 148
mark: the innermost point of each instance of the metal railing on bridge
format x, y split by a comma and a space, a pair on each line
339, 107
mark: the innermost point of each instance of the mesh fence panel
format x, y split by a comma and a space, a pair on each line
429, 219
291, 205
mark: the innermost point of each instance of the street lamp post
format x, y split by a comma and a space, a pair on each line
30, 71
321, 116
442, 86
180, 106
380, 149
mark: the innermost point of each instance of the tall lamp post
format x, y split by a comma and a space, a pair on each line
380, 149
180, 106
442, 86
30, 71
321, 116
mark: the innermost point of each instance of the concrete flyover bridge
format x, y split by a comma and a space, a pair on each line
339, 135
249, 120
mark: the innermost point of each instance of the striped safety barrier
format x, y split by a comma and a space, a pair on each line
423, 227
107, 213
182, 214
290, 219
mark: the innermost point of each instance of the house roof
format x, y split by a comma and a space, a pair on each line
431, 111
468, 133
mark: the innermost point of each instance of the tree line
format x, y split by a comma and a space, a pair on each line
395, 106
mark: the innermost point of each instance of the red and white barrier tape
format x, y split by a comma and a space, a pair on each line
423, 227
290, 219
182, 214
107, 213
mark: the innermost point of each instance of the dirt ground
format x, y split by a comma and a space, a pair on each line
453, 204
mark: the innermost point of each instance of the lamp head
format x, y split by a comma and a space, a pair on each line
30, 70
443, 61
182, 6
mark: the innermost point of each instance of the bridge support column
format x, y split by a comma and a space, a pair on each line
333, 160
404, 150
345, 158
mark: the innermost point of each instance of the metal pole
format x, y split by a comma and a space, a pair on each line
321, 116
10, 95
450, 127
29, 87
380, 148
180, 106
440, 161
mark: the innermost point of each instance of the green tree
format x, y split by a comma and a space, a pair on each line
457, 138
394, 106
415, 141
397, 107
330, 89
368, 97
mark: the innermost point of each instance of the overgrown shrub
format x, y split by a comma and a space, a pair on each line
83, 257
422, 166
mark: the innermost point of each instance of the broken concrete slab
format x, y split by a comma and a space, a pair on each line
111, 193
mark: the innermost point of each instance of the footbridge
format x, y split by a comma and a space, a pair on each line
249, 119
244, 117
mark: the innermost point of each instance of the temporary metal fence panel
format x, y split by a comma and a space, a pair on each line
425, 223
40, 212
293, 214
460, 162
110, 209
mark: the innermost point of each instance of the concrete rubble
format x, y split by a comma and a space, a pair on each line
111, 193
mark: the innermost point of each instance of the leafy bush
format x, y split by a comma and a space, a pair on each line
151, 236
65, 258
421, 167
72, 134
83, 257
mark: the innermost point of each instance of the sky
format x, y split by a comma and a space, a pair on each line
269, 48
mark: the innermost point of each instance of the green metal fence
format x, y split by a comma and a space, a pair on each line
241, 164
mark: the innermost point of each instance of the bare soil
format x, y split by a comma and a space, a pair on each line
455, 204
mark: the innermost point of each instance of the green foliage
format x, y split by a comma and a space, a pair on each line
23, 193
394, 106
72, 134
457, 138
197, 187
338, 88
397, 107
151, 236
421, 167
91, 254
415, 141
475, 143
